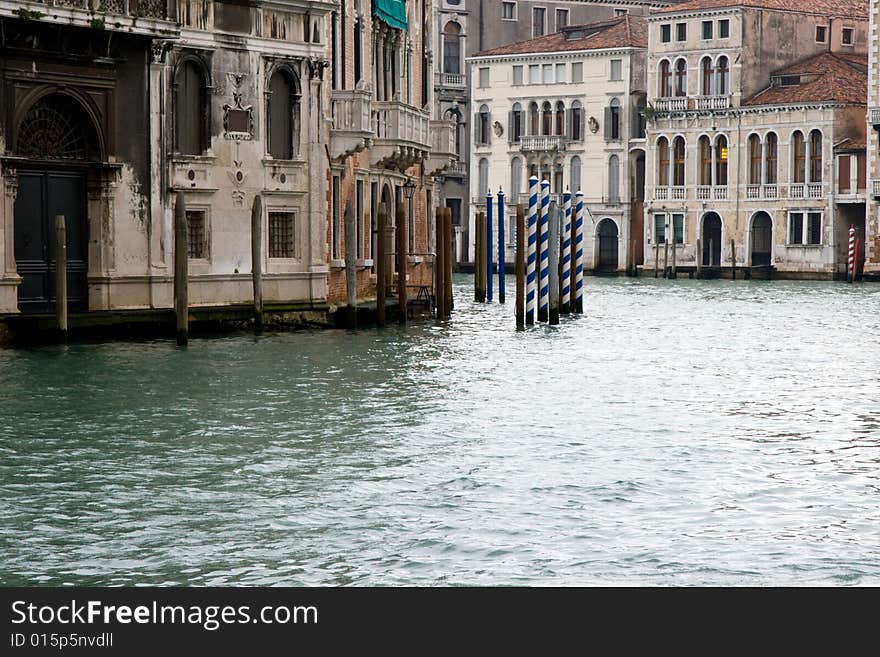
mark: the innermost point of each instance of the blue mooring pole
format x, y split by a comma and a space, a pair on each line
532, 252
489, 271
500, 246
544, 257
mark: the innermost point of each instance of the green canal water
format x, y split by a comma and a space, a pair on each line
687, 432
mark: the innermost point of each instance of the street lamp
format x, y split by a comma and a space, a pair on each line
409, 188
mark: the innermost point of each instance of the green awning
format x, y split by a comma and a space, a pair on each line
393, 12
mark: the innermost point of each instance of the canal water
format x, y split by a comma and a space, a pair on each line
678, 433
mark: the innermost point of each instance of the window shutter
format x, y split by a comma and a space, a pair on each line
511, 119
607, 124
478, 129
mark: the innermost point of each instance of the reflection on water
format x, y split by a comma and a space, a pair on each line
684, 432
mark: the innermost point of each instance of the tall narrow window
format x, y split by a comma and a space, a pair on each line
561, 18
483, 119
359, 217
452, 48
577, 119
575, 175
281, 234
560, 118
707, 77
612, 121
534, 119
515, 179
772, 158
613, 179
663, 162
816, 156
516, 123
190, 115
358, 49
336, 221
799, 158
197, 234
665, 79
723, 75
721, 157
546, 119
483, 187
678, 170
705, 161
282, 105
681, 78
538, 15
754, 160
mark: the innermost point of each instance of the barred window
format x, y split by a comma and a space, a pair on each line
197, 234
281, 234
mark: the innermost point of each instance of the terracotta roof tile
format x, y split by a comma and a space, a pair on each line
823, 78
852, 8
626, 31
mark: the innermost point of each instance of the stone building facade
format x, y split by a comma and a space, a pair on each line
872, 265
566, 108
753, 116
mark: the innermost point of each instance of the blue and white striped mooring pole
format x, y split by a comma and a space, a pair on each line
579, 255
489, 270
500, 246
565, 307
544, 259
532, 251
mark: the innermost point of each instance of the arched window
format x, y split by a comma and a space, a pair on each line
799, 157
534, 119
577, 121
452, 48
575, 174
517, 123
662, 162
560, 118
483, 121
612, 121
681, 77
754, 160
705, 161
770, 165
282, 110
707, 77
613, 179
557, 178
722, 72
190, 110
678, 169
816, 156
546, 119
515, 179
483, 188
665, 80
455, 116
721, 158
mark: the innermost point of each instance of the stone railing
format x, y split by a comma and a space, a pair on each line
140, 8
678, 104
451, 80
442, 137
712, 102
771, 192
351, 110
815, 190
753, 192
458, 169
543, 143
395, 121
874, 115
875, 188
806, 190
661, 193
707, 193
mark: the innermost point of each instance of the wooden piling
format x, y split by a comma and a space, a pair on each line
350, 224
666, 257
447, 258
181, 270
61, 276
257, 261
656, 260
699, 260
674, 251
439, 265
400, 250
733, 258
555, 220
520, 267
381, 264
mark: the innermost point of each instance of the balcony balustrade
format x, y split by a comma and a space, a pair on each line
543, 143
712, 102
401, 135
443, 153
352, 130
678, 104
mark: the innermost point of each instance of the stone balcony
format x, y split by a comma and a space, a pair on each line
543, 143
875, 189
874, 117
401, 135
709, 103
141, 17
450, 80
352, 130
443, 154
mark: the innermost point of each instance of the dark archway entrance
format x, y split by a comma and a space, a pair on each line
57, 139
711, 240
762, 240
608, 234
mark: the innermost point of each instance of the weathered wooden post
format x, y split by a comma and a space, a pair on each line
666, 254
350, 223
656, 259
400, 250
699, 260
440, 265
674, 254
520, 267
181, 270
381, 263
733, 258
257, 260
447, 283
61, 276
553, 283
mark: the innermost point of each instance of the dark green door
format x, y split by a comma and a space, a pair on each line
41, 196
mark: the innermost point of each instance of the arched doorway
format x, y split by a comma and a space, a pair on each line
762, 240
607, 233
711, 240
58, 141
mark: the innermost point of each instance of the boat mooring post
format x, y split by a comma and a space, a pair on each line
544, 258
733, 259
400, 253
565, 306
257, 261
449, 304
181, 270
520, 267
656, 259
381, 264
61, 276
350, 224
699, 260
856, 276
500, 246
532, 252
674, 271
553, 260
439, 277
851, 260
666, 252
578, 290
479, 254
489, 246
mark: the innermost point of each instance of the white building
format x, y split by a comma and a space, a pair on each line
566, 108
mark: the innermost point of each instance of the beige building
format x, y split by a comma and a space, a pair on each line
872, 265
566, 108
756, 146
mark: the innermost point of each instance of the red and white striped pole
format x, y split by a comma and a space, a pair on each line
851, 263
